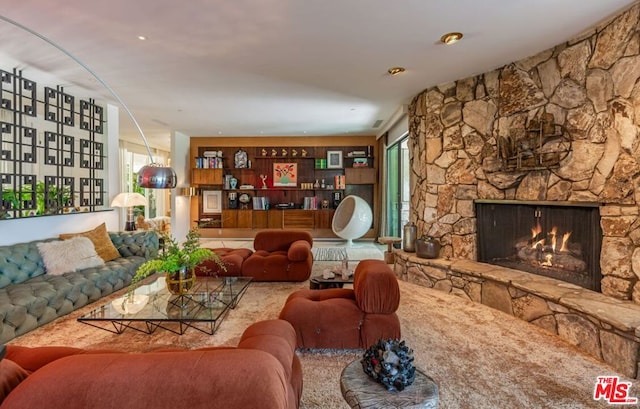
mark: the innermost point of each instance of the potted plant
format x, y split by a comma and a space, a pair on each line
177, 262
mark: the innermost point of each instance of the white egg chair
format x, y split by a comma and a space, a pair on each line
352, 219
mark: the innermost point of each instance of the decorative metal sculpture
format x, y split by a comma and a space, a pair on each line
543, 144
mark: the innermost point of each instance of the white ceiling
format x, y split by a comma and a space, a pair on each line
278, 67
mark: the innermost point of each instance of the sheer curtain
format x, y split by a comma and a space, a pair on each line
132, 158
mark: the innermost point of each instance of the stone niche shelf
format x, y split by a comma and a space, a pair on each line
602, 326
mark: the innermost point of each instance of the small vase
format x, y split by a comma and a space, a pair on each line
427, 247
181, 281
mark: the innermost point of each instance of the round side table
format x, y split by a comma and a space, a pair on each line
362, 392
389, 241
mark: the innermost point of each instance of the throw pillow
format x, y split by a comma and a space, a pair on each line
11, 374
101, 240
65, 256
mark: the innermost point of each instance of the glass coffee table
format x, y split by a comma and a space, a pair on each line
151, 306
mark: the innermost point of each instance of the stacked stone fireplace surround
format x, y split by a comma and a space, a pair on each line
590, 86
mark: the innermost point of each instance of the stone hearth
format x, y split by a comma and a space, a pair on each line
602, 326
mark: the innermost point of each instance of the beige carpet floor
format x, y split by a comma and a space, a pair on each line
479, 357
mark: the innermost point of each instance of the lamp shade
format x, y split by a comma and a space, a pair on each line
129, 199
154, 176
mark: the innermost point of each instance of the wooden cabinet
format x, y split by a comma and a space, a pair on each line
260, 219
360, 176
319, 178
274, 220
229, 219
323, 218
298, 219
206, 177
237, 219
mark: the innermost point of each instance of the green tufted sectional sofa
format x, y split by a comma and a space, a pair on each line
30, 298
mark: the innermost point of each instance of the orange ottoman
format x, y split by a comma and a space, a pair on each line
231, 258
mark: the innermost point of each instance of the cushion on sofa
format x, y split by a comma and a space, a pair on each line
11, 374
66, 256
376, 287
230, 257
101, 241
299, 250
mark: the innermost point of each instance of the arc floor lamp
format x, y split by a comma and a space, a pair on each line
153, 175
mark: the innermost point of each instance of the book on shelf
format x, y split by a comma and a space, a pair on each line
360, 163
203, 162
310, 203
260, 203
339, 182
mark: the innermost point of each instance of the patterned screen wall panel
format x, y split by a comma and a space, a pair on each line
52, 150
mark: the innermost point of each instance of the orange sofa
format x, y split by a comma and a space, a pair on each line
263, 371
347, 318
280, 255
233, 259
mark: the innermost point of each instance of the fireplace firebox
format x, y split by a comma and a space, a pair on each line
561, 240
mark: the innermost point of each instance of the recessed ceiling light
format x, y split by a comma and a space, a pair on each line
396, 70
142, 38
451, 38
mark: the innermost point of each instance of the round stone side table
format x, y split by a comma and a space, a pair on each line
389, 257
362, 392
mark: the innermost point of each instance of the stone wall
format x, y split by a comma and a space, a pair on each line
590, 86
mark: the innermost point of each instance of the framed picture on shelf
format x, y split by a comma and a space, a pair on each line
285, 174
334, 159
212, 201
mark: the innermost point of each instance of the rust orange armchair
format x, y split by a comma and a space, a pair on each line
347, 318
280, 255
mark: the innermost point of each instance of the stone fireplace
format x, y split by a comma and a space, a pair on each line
562, 126
472, 140
553, 239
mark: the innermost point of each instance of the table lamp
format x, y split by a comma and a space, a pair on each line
129, 200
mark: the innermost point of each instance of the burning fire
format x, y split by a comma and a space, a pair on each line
535, 231
553, 240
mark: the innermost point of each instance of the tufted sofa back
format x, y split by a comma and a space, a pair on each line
20, 262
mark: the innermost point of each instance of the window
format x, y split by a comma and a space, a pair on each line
133, 157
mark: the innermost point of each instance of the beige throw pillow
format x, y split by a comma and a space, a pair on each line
101, 241
66, 256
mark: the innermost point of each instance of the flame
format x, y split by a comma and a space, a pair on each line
555, 243
553, 233
547, 260
565, 241
538, 243
537, 229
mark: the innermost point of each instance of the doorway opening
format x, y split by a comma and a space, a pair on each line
398, 189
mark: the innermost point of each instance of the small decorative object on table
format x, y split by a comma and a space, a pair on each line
177, 262
390, 363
